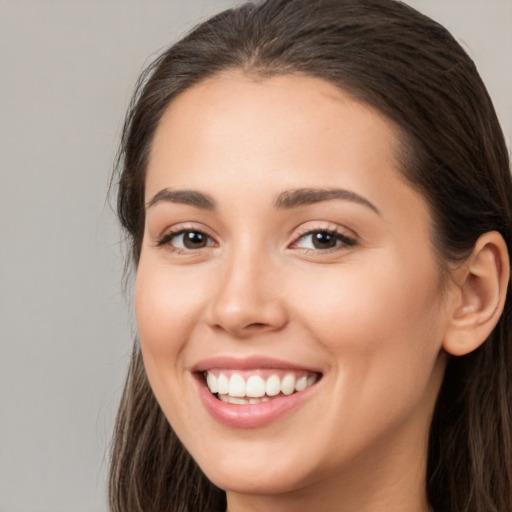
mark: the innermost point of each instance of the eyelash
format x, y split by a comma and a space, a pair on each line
167, 238
342, 241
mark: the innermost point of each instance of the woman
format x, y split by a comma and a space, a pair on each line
318, 201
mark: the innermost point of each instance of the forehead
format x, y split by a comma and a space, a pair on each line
234, 122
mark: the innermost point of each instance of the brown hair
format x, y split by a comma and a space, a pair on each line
411, 69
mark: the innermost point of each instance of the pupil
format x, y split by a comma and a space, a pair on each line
193, 240
323, 240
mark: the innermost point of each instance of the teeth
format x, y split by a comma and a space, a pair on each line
259, 400
238, 401
273, 385
288, 384
222, 384
233, 388
211, 380
255, 386
236, 385
242, 401
302, 383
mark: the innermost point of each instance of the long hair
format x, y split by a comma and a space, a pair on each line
411, 69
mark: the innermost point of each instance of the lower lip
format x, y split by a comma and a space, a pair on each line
251, 415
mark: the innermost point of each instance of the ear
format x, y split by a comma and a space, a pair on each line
481, 284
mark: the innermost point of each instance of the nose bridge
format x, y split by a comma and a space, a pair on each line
247, 297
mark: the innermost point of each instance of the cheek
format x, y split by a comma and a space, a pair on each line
383, 331
376, 318
166, 310
167, 307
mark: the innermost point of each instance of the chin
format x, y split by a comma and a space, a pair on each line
260, 475
257, 483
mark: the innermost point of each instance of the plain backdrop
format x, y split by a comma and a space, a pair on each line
67, 69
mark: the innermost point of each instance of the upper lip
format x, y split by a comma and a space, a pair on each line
248, 363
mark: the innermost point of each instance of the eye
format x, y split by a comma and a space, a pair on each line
323, 239
186, 239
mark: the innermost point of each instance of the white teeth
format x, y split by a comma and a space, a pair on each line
211, 381
238, 401
273, 386
235, 389
242, 401
259, 400
302, 383
222, 384
233, 400
288, 384
255, 386
236, 385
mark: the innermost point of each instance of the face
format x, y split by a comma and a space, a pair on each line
288, 299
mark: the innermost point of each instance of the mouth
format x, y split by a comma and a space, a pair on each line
254, 391
250, 387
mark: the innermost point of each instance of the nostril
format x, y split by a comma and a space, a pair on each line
256, 325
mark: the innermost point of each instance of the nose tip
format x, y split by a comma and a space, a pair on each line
243, 319
244, 306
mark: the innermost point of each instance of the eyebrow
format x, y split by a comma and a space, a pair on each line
307, 196
285, 200
190, 197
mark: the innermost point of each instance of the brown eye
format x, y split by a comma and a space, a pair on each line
194, 239
323, 240
186, 239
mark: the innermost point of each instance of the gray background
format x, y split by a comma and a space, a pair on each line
67, 69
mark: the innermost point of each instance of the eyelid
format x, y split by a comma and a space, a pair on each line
347, 237
312, 226
169, 233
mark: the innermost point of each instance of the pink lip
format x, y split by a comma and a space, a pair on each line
251, 415
248, 363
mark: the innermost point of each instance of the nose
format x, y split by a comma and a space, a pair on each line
247, 299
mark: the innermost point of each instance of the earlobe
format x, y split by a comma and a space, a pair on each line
482, 283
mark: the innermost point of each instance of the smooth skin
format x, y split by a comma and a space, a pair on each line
368, 308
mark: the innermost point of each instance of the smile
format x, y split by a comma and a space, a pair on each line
254, 391
256, 386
